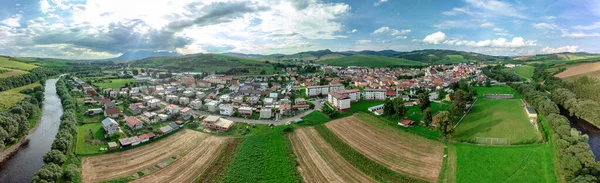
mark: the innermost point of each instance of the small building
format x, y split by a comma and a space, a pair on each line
165, 129
172, 98
134, 123
377, 110
113, 112
217, 123
163, 117
406, 122
172, 109
266, 113
95, 111
112, 146
110, 126
285, 109
186, 113
531, 113
212, 106
153, 103
196, 104
184, 101
134, 109
224, 98
226, 109
109, 105
246, 111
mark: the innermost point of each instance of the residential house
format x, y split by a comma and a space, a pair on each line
113, 112
196, 104
246, 111
95, 111
238, 99
172, 98
110, 126
153, 104
217, 123
184, 101
253, 100
226, 109
134, 123
285, 109
212, 106
134, 109
172, 109
186, 113
266, 113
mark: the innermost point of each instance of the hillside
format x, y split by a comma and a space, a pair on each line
206, 63
136, 55
558, 57
370, 61
447, 56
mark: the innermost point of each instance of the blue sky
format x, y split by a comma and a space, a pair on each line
90, 29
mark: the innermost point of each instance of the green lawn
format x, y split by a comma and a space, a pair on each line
531, 163
114, 83
491, 118
525, 71
263, 158
496, 89
370, 61
315, 117
363, 106
98, 134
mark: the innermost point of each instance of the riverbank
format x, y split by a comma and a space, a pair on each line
9, 152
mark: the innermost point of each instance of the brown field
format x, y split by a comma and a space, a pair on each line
580, 69
11, 73
191, 149
318, 160
402, 152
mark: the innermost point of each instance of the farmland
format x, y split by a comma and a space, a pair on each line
407, 154
319, 162
12, 96
263, 158
6, 63
497, 118
5, 72
114, 83
370, 61
531, 163
575, 71
180, 148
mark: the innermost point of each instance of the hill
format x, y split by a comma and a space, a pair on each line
207, 63
447, 56
370, 61
387, 53
136, 55
558, 57
13, 63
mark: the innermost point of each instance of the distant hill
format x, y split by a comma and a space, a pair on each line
558, 57
387, 53
243, 55
136, 55
370, 61
447, 56
206, 63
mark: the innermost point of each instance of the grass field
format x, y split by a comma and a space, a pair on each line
12, 96
206, 63
114, 83
491, 118
315, 117
531, 163
263, 158
6, 63
525, 71
98, 134
6, 72
496, 89
370, 61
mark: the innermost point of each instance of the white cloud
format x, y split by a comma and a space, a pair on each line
595, 25
12, 21
451, 24
580, 35
561, 49
379, 2
544, 25
400, 37
496, 8
391, 32
363, 41
594, 6
435, 38
352, 31
456, 11
516, 42
487, 25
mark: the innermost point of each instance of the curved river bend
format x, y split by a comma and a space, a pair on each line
28, 160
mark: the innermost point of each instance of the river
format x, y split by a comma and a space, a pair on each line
28, 160
586, 128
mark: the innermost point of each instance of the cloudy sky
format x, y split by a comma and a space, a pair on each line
90, 29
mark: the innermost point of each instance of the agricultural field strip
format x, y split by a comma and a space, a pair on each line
191, 165
319, 162
110, 166
412, 156
579, 69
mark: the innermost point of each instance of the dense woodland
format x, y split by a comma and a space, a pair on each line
34, 75
67, 132
14, 122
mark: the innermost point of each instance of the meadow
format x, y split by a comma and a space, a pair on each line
92, 131
370, 61
6, 63
263, 158
12, 96
526, 71
496, 89
114, 83
497, 118
531, 163
6, 72
315, 117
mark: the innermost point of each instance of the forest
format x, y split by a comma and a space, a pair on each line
34, 75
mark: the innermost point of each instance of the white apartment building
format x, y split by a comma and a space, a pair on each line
374, 94
323, 89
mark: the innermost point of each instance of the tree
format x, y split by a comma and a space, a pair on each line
48, 173
441, 94
488, 82
71, 171
54, 156
427, 117
443, 119
388, 107
60, 144
399, 108
135, 72
424, 101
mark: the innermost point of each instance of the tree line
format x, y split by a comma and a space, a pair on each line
496, 73
14, 122
34, 75
66, 136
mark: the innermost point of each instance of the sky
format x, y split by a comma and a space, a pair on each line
97, 29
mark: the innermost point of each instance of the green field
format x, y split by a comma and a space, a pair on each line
370, 61
491, 118
206, 63
12, 96
525, 71
531, 163
263, 158
6, 63
84, 133
114, 83
315, 117
6, 72
496, 89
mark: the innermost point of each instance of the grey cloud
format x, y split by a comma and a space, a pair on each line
216, 13
300, 4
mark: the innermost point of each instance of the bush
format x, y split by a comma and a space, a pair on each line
54, 156
71, 172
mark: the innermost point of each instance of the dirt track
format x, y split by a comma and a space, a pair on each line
408, 154
319, 162
182, 145
579, 69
